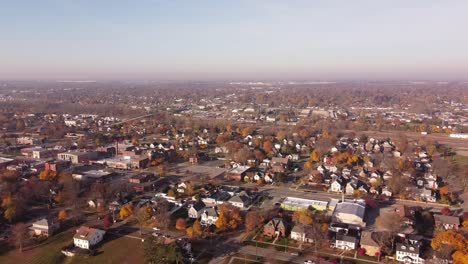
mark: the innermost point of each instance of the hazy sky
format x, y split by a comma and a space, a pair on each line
238, 39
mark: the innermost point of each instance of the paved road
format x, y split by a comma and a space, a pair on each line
279, 192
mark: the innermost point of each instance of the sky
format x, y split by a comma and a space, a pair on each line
233, 40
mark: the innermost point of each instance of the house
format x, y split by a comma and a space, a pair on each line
349, 213
196, 210
337, 185
447, 222
406, 213
298, 233
428, 196
345, 241
241, 200
409, 253
369, 244
45, 227
209, 216
280, 164
87, 237
238, 173
217, 197
276, 227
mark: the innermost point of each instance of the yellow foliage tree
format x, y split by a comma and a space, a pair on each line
451, 238
308, 166
125, 212
314, 156
48, 175
460, 257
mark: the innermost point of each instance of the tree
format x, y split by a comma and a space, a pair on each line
247, 131
10, 213
158, 252
181, 224
314, 156
454, 239
253, 221
107, 221
446, 211
267, 146
389, 222
189, 190
243, 155
20, 233
59, 198
62, 216
303, 216
143, 215
48, 175
195, 231
281, 135
229, 217
125, 212
308, 166
9, 176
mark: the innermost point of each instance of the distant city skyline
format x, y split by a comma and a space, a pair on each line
233, 40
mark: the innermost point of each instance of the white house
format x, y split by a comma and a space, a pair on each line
298, 234
209, 216
87, 237
241, 200
408, 253
44, 227
345, 242
196, 210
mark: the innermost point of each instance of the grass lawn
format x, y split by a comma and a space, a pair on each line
461, 160
48, 252
114, 249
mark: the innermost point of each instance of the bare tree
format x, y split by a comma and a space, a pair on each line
20, 234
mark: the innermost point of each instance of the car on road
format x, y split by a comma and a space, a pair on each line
156, 229
309, 262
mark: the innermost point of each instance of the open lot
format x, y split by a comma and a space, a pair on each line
114, 249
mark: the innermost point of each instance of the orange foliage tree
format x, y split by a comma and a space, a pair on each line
181, 224
229, 217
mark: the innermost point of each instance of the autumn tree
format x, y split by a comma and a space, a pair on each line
62, 216
308, 166
195, 231
181, 224
107, 221
243, 155
247, 131
229, 217
389, 222
456, 241
314, 156
304, 217
48, 175
125, 211
281, 135
253, 221
267, 146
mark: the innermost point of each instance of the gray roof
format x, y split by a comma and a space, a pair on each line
350, 208
446, 219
